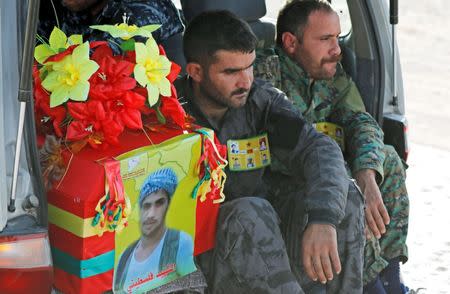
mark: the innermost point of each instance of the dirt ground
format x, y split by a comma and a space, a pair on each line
424, 46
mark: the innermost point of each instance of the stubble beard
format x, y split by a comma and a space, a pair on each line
208, 91
326, 74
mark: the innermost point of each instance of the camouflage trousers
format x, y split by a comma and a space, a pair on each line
392, 244
258, 247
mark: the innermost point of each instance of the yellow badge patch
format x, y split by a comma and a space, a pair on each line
248, 154
332, 130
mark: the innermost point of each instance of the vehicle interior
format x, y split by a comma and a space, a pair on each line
366, 43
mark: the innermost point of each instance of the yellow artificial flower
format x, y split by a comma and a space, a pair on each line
125, 31
58, 41
69, 77
151, 70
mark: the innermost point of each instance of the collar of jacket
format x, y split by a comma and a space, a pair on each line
186, 94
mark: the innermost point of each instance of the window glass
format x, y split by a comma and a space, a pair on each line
273, 6
340, 6
177, 3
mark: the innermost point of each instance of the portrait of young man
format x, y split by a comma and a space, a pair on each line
161, 254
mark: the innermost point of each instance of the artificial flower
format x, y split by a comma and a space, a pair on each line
126, 110
125, 31
151, 70
88, 94
172, 109
113, 78
58, 42
44, 113
69, 77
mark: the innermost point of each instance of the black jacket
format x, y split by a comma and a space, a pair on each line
310, 157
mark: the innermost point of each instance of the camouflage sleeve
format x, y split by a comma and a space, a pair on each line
310, 156
363, 136
267, 67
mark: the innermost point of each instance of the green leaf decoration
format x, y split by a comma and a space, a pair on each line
128, 45
57, 39
159, 114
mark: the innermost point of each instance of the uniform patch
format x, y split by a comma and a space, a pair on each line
248, 154
333, 131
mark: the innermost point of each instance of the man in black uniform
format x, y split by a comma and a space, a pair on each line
318, 245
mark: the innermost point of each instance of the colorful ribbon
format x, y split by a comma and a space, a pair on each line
211, 169
113, 208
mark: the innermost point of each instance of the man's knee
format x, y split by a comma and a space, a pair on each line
393, 165
393, 188
249, 248
251, 225
249, 211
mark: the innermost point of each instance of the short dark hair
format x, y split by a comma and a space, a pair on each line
212, 31
294, 17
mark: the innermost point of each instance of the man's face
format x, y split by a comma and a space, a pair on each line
79, 5
318, 52
153, 213
227, 81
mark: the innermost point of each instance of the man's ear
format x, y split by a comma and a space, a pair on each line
289, 42
195, 71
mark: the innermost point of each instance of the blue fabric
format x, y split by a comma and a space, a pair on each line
140, 13
83, 268
163, 179
375, 287
390, 277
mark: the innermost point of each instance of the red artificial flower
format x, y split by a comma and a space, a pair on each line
130, 56
92, 123
112, 78
91, 110
172, 109
44, 113
126, 110
143, 92
87, 117
174, 72
111, 131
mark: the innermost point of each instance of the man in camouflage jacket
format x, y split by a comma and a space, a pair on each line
75, 17
309, 241
306, 58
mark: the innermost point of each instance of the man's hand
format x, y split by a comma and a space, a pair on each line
319, 252
376, 214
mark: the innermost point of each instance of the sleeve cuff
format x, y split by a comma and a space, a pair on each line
322, 216
378, 168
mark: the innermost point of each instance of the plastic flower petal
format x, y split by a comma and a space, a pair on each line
44, 114
126, 110
58, 41
125, 31
151, 70
69, 78
113, 78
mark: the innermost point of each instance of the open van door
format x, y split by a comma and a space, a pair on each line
25, 259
